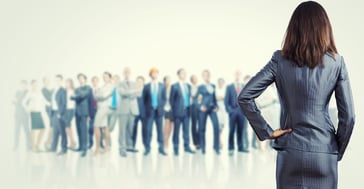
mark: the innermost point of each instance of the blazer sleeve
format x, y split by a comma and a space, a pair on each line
214, 98
62, 102
227, 100
345, 106
172, 96
253, 89
164, 94
80, 94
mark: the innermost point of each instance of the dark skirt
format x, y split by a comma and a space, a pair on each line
36, 120
168, 115
312, 170
68, 117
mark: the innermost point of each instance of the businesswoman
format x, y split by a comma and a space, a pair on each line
168, 114
306, 72
70, 112
34, 102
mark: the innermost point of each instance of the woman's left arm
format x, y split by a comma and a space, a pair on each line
253, 89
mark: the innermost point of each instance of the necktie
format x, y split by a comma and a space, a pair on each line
114, 99
237, 89
186, 96
154, 96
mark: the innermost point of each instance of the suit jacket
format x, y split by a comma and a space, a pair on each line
61, 100
141, 107
208, 99
177, 100
304, 96
20, 110
92, 106
128, 98
147, 99
84, 101
231, 100
103, 96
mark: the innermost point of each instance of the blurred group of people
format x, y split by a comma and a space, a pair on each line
176, 110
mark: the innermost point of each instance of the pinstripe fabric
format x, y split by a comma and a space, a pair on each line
306, 170
304, 97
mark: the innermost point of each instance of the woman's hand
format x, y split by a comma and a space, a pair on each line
279, 132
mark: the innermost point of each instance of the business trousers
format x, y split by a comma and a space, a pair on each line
194, 124
312, 170
22, 122
185, 121
59, 130
113, 117
158, 120
202, 129
81, 126
135, 131
126, 128
236, 124
91, 130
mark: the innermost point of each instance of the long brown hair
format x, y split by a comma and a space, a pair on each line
309, 35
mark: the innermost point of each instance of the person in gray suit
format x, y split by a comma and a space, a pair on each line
21, 116
127, 109
307, 71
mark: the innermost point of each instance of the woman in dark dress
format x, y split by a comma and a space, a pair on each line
306, 72
168, 115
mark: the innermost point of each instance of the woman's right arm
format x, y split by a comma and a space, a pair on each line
345, 106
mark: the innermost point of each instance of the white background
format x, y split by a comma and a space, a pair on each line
43, 38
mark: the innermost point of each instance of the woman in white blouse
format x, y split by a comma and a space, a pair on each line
34, 102
220, 97
70, 112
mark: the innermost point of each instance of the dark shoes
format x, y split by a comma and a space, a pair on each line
63, 152
243, 150
123, 153
147, 152
132, 150
83, 153
162, 152
190, 151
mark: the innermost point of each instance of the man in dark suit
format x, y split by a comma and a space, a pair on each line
180, 101
141, 117
82, 96
237, 120
207, 104
59, 105
154, 99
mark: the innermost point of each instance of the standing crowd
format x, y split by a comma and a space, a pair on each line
171, 108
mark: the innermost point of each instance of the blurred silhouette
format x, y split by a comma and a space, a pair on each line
21, 116
127, 109
206, 99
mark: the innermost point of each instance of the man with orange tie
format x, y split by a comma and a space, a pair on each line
154, 99
237, 120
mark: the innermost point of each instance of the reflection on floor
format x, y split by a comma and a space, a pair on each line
253, 170
46, 170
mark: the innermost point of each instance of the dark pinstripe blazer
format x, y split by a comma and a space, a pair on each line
304, 96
